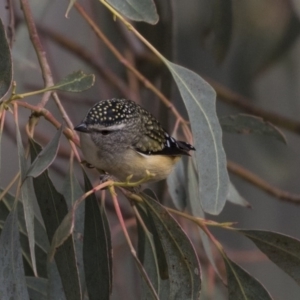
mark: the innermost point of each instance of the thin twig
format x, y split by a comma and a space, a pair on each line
262, 184
125, 62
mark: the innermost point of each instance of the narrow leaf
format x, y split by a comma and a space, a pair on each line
45, 157
241, 285
97, 250
12, 277
281, 249
147, 254
37, 288
183, 264
27, 199
176, 184
137, 10
5, 64
199, 99
75, 82
53, 209
54, 287
235, 197
248, 124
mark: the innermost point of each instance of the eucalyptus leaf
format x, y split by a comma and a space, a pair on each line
241, 285
147, 254
183, 264
281, 249
27, 195
71, 4
97, 249
12, 277
5, 64
137, 10
75, 82
53, 208
248, 124
199, 99
45, 157
235, 197
176, 186
37, 288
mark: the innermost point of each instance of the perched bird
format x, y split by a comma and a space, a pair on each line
120, 138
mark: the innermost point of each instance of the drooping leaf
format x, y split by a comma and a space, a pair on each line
281, 249
235, 197
54, 286
176, 186
5, 64
37, 288
241, 285
27, 199
183, 264
147, 254
248, 124
12, 277
41, 241
75, 82
53, 208
137, 10
199, 99
45, 157
97, 249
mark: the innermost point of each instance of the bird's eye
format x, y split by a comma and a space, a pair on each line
105, 132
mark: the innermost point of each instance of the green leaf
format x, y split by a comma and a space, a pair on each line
97, 250
176, 184
54, 286
147, 254
53, 208
235, 197
281, 249
45, 157
241, 285
248, 124
75, 82
27, 197
12, 277
136, 10
183, 264
41, 241
37, 288
5, 64
199, 99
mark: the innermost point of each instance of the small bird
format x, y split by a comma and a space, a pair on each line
122, 139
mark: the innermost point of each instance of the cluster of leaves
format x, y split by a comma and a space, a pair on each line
68, 253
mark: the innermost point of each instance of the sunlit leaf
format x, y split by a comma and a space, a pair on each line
53, 208
45, 157
37, 288
75, 82
97, 251
27, 195
200, 101
248, 124
176, 184
241, 285
12, 277
183, 264
147, 254
235, 197
5, 63
136, 10
283, 250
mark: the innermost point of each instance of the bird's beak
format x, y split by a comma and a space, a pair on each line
81, 127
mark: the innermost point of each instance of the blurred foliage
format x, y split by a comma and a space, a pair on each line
124, 243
